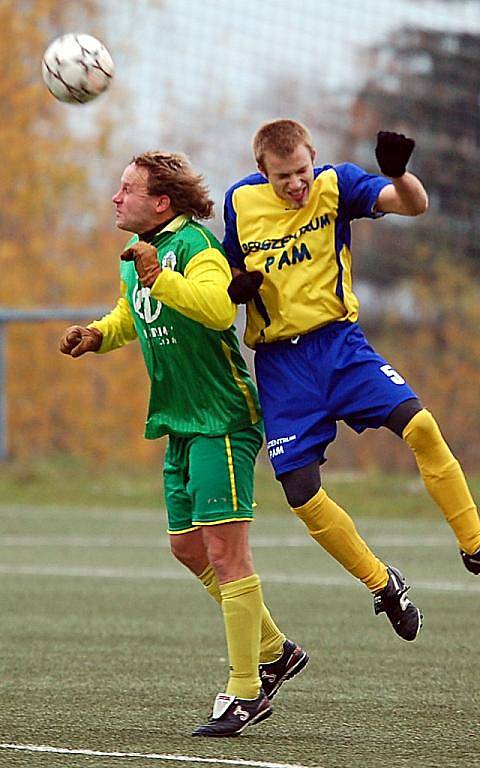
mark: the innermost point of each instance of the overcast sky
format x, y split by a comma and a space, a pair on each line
209, 68
244, 40
191, 56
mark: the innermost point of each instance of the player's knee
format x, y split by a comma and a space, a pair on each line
298, 497
402, 415
422, 432
301, 485
181, 548
433, 455
229, 555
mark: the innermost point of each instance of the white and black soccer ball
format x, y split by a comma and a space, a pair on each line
77, 68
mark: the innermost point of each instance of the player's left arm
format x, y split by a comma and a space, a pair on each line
406, 194
200, 293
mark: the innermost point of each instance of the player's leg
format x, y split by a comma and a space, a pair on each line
244, 701
300, 419
280, 659
189, 549
185, 484
442, 475
220, 556
229, 553
335, 531
300, 425
331, 527
221, 488
369, 394
241, 599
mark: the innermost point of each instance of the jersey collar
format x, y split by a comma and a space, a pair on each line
173, 225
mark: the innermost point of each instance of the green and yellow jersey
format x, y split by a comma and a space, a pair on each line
200, 383
303, 254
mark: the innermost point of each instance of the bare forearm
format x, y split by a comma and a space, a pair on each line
406, 195
412, 194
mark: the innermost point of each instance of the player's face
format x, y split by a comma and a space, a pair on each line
291, 177
135, 209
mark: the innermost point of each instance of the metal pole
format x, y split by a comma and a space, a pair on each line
41, 314
3, 391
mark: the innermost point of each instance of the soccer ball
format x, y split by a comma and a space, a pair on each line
76, 68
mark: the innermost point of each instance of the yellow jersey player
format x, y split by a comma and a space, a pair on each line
287, 238
174, 301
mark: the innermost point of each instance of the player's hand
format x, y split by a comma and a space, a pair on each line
146, 262
77, 340
244, 286
393, 152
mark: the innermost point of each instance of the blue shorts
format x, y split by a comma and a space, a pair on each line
309, 383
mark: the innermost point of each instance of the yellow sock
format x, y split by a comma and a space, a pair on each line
272, 640
444, 479
209, 581
335, 531
242, 612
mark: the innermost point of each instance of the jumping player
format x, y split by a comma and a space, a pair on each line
287, 237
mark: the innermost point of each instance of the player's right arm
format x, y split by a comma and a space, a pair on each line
112, 331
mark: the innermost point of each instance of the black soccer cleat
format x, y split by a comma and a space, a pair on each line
471, 562
231, 715
274, 673
403, 615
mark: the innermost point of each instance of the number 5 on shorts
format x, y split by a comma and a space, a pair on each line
392, 374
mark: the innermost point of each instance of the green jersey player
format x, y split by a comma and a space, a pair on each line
174, 301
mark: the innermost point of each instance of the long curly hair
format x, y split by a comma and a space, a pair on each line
170, 173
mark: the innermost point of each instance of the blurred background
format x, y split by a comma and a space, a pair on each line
200, 76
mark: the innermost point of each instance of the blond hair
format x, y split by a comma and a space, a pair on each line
170, 173
281, 137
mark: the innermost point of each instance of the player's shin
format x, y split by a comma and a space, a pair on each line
444, 479
272, 640
242, 605
335, 531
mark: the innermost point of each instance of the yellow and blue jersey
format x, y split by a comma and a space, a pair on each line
303, 254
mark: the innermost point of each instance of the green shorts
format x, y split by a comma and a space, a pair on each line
209, 480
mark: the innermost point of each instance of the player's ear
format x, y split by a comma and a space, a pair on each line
163, 203
262, 170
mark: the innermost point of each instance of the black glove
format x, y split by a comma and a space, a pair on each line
393, 152
244, 286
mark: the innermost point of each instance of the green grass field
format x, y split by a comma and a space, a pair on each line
109, 646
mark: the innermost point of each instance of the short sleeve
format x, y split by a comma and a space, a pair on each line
231, 242
358, 191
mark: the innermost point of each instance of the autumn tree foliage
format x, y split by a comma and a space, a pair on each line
424, 83
438, 351
58, 245
58, 248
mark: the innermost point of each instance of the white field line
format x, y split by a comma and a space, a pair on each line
182, 575
149, 756
264, 542
137, 515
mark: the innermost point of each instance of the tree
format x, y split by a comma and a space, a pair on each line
58, 247
425, 83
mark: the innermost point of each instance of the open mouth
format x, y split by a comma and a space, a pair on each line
299, 196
